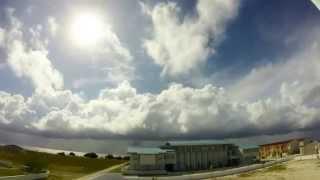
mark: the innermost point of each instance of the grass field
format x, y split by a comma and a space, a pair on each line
10, 172
60, 167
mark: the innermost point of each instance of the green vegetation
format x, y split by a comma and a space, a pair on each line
277, 167
91, 155
60, 167
36, 164
109, 156
61, 154
10, 171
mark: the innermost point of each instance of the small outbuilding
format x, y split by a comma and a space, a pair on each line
250, 154
147, 161
309, 147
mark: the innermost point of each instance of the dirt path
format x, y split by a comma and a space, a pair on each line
292, 170
103, 173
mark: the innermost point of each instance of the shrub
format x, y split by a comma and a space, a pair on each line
61, 154
91, 155
277, 167
72, 154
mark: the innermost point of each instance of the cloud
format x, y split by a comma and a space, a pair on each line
27, 55
279, 98
273, 99
302, 68
176, 112
183, 44
111, 60
1, 36
115, 59
52, 25
316, 3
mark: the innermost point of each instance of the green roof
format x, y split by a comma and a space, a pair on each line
195, 143
248, 146
146, 150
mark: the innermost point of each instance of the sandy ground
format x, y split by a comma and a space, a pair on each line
295, 170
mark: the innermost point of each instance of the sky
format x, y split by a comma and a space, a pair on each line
101, 71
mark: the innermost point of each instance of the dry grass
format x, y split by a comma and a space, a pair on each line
249, 174
276, 168
245, 175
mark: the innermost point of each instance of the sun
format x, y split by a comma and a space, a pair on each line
86, 29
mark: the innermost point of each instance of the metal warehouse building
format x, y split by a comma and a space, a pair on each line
182, 156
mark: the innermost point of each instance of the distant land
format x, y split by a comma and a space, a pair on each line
55, 151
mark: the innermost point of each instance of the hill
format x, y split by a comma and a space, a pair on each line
60, 167
12, 148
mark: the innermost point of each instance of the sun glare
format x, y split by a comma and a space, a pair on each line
86, 29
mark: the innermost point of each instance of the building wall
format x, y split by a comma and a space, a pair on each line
309, 148
250, 155
147, 162
202, 157
170, 157
184, 158
279, 150
275, 151
294, 147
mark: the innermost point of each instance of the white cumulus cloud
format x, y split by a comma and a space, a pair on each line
183, 44
273, 99
28, 57
176, 112
52, 25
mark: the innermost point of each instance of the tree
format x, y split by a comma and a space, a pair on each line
72, 154
91, 155
127, 158
109, 156
61, 154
